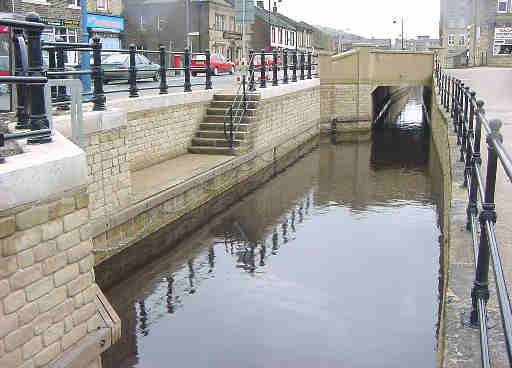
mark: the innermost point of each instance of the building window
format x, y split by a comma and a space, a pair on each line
68, 35
74, 3
102, 5
219, 22
280, 35
273, 34
452, 22
451, 40
461, 40
502, 6
142, 24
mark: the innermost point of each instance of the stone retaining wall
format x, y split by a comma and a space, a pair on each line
289, 117
48, 296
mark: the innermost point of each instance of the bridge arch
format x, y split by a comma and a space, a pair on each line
353, 83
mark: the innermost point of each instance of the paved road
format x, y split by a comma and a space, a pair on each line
494, 86
175, 83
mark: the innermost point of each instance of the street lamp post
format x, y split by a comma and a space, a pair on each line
395, 22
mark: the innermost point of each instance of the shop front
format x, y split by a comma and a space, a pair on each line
502, 41
67, 30
107, 28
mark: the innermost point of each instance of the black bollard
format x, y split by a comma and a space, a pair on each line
208, 70
21, 62
163, 71
99, 98
38, 119
285, 66
188, 85
134, 92
263, 81
302, 61
274, 69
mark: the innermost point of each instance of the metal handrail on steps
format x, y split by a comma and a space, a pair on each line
237, 111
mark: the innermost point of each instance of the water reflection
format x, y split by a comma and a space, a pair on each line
334, 262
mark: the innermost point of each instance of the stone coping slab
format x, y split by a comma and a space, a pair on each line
42, 171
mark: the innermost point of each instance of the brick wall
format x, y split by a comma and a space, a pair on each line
47, 289
57, 9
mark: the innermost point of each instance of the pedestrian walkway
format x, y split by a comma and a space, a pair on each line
462, 343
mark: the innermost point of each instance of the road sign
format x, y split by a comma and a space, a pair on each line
240, 6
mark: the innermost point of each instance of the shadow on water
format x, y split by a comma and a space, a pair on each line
333, 262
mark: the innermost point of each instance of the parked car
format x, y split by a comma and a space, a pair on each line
117, 67
218, 64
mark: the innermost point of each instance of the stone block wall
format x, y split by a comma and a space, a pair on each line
161, 134
346, 102
282, 118
109, 171
47, 289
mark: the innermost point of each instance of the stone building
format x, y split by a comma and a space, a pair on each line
490, 34
455, 17
272, 30
105, 21
151, 23
63, 18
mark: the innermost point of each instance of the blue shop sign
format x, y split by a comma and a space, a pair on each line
105, 22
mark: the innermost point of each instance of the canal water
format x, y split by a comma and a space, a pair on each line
333, 263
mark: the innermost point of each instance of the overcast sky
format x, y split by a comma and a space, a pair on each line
368, 18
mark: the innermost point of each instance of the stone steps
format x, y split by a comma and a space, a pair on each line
219, 134
206, 150
222, 111
210, 139
220, 126
220, 119
225, 104
214, 142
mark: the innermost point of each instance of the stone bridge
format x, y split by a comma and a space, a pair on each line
356, 83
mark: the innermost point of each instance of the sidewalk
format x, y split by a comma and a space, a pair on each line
462, 344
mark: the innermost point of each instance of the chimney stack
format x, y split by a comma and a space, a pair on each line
260, 4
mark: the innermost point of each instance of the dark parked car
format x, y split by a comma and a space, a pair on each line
218, 64
117, 67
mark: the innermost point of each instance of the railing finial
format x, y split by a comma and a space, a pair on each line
495, 125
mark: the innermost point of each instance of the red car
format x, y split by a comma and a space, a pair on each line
218, 64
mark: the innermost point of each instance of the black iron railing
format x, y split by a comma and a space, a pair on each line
100, 75
266, 66
260, 66
470, 123
29, 80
